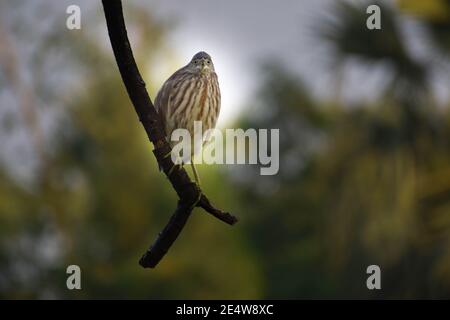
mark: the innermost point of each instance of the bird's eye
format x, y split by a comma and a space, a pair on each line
208, 62
195, 61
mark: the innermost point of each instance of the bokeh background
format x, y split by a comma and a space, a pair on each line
364, 119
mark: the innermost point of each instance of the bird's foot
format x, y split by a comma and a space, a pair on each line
167, 155
198, 200
172, 169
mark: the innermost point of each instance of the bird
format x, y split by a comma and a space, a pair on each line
190, 94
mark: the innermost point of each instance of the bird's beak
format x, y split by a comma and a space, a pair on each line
205, 67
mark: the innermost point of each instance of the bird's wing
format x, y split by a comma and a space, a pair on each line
162, 99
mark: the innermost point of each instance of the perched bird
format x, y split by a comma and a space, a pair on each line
191, 94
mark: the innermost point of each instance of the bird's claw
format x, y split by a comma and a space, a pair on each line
197, 201
167, 155
172, 169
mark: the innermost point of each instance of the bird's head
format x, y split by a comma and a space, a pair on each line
201, 63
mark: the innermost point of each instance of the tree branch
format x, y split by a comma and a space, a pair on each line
188, 192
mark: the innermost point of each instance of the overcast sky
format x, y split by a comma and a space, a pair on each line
240, 35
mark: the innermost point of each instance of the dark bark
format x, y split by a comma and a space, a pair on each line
188, 192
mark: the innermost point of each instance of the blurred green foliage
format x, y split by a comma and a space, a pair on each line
357, 186
374, 190
99, 199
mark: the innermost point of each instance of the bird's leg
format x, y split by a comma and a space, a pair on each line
167, 155
196, 177
197, 180
175, 165
172, 169
198, 199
